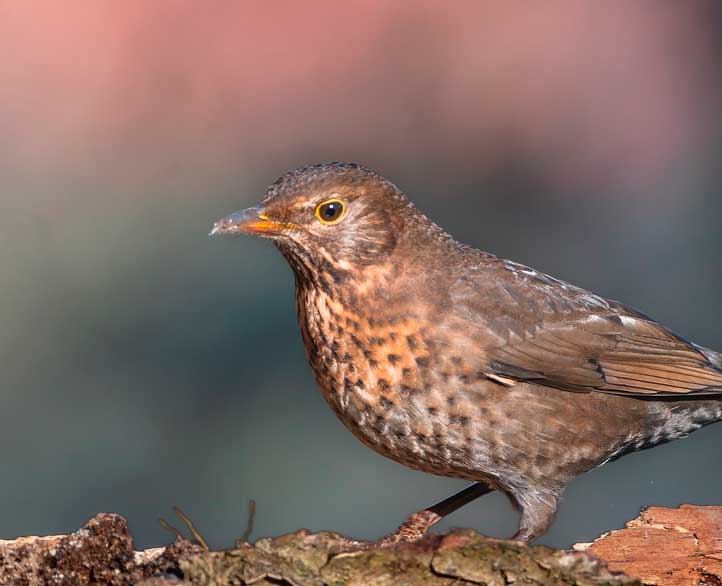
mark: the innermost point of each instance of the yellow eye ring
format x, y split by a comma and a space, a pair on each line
330, 211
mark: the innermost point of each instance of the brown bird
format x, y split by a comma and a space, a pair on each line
452, 361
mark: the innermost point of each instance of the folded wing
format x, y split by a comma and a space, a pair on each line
542, 329
609, 353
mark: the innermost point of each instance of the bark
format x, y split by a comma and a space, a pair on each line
668, 547
664, 547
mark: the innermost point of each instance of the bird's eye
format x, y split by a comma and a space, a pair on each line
331, 211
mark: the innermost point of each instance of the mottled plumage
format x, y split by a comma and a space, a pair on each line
453, 361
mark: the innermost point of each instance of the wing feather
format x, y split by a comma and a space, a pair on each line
593, 344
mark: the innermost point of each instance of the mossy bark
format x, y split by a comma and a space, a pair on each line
462, 557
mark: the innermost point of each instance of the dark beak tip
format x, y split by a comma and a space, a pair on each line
222, 228
217, 229
233, 224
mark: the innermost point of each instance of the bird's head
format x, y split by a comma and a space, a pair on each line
340, 216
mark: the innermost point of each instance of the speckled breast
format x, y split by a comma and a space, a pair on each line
384, 378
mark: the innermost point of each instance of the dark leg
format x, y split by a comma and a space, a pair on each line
416, 526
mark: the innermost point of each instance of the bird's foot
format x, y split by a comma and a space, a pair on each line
348, 545
413, 529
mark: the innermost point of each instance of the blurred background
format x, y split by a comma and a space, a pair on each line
143, 364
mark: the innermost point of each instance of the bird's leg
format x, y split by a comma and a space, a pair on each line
417, 525
537, 513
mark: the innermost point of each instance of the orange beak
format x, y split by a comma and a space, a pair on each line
248, 221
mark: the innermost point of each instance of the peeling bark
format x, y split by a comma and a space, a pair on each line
666, 547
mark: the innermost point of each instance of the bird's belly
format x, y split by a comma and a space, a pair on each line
439, 423
485, 431
422, 432
428, 445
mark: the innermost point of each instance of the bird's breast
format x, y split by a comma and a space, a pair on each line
394, 380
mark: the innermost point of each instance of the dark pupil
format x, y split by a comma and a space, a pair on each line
331, 211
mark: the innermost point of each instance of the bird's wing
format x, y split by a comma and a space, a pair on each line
543, 330
611, 353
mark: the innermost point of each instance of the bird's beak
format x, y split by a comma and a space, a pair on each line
248, 221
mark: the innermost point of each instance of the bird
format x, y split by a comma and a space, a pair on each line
456, 362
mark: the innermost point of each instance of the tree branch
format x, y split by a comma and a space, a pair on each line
665, 547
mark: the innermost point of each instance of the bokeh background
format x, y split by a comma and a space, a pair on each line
143, 364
